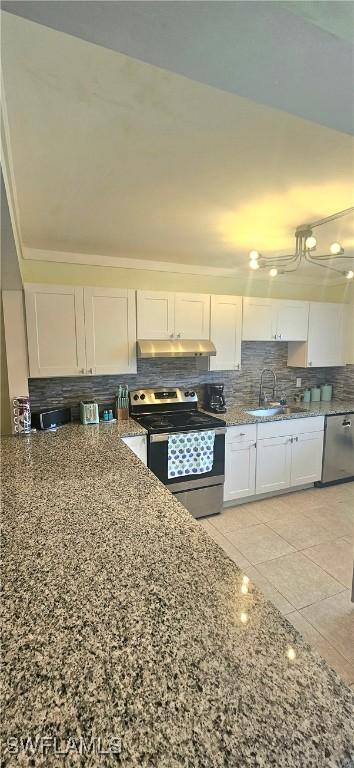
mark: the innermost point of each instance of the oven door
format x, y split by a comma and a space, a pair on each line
158, 463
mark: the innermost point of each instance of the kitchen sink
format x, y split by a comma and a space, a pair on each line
279, 410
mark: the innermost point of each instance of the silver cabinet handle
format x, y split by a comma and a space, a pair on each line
347, 424
310, 363
91, 370
242, 434
279, 335
82, 370
178, 335
171, 335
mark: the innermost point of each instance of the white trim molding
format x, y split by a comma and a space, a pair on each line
121, 262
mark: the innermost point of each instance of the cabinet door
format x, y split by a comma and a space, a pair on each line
292, 318
192, 315
138, 445
110, 330
240, 470
155, 315
258, 319
306, 458
326, 335
225, 332
55, 330
273, 464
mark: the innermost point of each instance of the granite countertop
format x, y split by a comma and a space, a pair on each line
122, 618
237, 414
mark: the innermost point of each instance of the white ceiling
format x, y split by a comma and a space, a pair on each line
116, 156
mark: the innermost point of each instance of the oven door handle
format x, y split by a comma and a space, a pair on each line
162, 438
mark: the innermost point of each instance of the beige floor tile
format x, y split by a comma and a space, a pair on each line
235, 518
233, 553
334, 619
324, 648
279, 508
301, 531
300, 580
336, 520
268, 590
336, 558
258, 543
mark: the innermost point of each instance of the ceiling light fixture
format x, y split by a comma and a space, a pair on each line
305, 244
336, 249
311, 243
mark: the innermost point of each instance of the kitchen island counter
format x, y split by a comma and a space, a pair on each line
122, 618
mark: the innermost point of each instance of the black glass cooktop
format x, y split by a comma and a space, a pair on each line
175, 422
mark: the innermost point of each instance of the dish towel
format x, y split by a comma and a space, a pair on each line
190, 453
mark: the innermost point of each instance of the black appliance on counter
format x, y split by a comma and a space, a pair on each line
52, 419
215, 400
167, 411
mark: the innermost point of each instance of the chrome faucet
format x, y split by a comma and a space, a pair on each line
263, 397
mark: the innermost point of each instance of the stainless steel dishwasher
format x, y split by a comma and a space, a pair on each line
338, 449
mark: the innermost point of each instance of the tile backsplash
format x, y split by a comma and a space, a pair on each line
240, 386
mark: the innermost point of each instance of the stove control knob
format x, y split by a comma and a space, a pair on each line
142, 397
186, 394
136, 397
191, 394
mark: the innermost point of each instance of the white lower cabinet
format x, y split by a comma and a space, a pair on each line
137, 444
306, 458
289, 453
240, 462
273, 464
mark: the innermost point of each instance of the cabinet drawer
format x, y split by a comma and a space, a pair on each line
291, 426
244, 433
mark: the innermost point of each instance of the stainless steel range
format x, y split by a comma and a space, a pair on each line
168, 412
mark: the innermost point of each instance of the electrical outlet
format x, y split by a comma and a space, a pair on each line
298, 382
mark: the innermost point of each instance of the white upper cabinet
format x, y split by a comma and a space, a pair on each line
77, 331
274, 319
257, 319
110, 330
290, 320
55, 330
225, 332
172, 315
155, 315
192, 315
326, 338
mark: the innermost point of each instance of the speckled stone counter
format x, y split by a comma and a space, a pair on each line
237, 414
122, 618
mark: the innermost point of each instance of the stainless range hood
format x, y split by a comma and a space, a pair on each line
175, 348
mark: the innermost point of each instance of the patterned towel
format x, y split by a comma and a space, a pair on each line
190, 453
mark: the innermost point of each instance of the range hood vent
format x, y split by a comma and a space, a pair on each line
175, 348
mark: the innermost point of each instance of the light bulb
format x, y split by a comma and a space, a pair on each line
335, 249
254, 264
254, 255
291, 654
273, 272
244, 617
245, 579
244, 589
310, 243
350, 274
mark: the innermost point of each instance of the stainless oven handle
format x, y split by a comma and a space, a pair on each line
161, 438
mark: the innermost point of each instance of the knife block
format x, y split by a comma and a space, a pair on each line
122, 414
